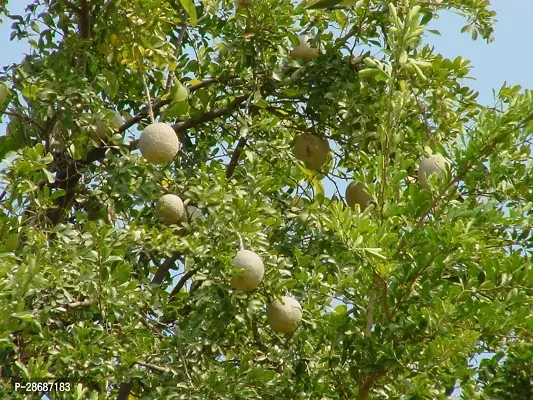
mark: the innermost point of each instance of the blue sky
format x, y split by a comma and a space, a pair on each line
504, 60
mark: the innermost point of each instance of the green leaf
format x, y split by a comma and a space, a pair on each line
49, 176
188, 5
376, 252
403, 57
178, 109
35, 27
369, 72
12, 242
24, 316
428, 16
30, 92
321, 4
6, 145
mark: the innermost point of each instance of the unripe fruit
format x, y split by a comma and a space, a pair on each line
159, 143
312, 149
433, 165
304, 50
285, 315
356, 194
253, 270
104, 129
170, 209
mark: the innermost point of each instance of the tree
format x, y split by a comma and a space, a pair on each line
396, 299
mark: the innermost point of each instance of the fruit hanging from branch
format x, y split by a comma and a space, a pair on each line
251, 271
159, 143
170, 209
311, 149
105, 129
304, 50
356, 194
284, 316
434, 165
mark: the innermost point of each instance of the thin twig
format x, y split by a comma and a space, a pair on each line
241, 243
147, 94
370, 310
79, 304
153, 367
179, 42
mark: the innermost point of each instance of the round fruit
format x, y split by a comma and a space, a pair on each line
105, 129
253, 270
285, 315
170, 209
356, 194
304, 50
298, 202
433, 165
312, 149
159, 143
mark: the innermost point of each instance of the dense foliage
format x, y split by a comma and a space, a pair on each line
397, 300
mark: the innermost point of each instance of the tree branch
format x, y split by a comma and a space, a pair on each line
182, 282
164, 268
124, 390
235, 156
370, 310
68, 178
210, 115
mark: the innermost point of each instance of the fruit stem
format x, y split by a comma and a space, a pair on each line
241, 243
147, 94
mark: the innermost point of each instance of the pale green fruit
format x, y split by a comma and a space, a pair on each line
159, 143
284, 316
252, 270
356, 194
434, 165
170, 209
105, 129
311, 149
304, 50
